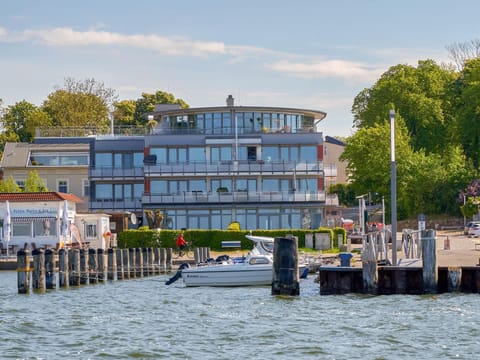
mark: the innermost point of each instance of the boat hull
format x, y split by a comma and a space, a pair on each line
225, 275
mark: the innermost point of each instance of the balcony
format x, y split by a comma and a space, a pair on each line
117, 205
109, 173
230, 168
201, 197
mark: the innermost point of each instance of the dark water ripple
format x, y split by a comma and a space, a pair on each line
144, 319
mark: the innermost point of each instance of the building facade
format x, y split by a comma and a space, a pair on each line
203, 168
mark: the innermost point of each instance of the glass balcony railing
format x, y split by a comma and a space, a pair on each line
115, 173
116, 205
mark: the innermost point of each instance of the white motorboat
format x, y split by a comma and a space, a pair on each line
255, 269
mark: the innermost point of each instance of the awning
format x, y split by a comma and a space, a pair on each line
32, 219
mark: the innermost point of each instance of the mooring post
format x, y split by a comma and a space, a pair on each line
138, 263
146, 265
101, 265
169, 259
23, 271
38, 274
133, 264
112, 264
75, 268
119, 260
126, 264
369, 268
84, 273
429, 259
92, 266
163, 259
285, 267
151, 264
197, 255
156, 261
50, 278
63, 273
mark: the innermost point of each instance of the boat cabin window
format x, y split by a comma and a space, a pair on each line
258, 261
267, 246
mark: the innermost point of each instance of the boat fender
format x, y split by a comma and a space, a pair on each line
178, 274
304, 273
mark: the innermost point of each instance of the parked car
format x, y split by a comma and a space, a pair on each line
468, 226
474, 230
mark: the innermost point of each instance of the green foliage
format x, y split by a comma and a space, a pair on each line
147, 102
34, 183
345, 193
9, 185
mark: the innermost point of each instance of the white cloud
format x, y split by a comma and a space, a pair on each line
348, 70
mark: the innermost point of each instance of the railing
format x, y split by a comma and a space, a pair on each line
236, 168
108, 204
192, 197
109, 172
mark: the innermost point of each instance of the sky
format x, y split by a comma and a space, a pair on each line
309, 54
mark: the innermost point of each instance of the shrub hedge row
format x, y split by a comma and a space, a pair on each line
213, 238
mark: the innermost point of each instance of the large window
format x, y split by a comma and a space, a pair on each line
220, 153
103, 160
52, 159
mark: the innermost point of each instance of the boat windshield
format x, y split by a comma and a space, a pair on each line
267, 246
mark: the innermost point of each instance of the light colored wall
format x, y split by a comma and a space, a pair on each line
331, 156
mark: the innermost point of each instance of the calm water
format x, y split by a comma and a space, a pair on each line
144, 319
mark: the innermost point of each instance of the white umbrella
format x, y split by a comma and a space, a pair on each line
8, 224
65, 221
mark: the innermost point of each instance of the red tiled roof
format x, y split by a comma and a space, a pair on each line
39, 196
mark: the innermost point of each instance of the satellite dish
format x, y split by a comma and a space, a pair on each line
133, 218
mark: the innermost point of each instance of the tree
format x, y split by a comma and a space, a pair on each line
461, 52
22, 119
81, 104
418, 95
9, 185
34, 183
124, 112
147, 102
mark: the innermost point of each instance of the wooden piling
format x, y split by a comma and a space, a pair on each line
133, 263
197, 256
163, 260
151, 265
369, 268
92, 266
38, 273
101, 265
112, 264
430, 271
168, 265
126, 263
138, 263
50, 275
119, 260
146, 265
156, 261
286, 279
84, 273
63, 271
75, 268
23, 271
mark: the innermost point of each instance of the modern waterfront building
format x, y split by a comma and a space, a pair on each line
203, 168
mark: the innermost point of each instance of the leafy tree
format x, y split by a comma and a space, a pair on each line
9, 185
81, 104
34, 183
124, 112
147, 102
345, 193
21, 119
418, 94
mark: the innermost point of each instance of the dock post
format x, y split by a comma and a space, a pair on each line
138, 263
430, 273
369, 268
63, 273
156, 261
146, 265
119, 260
285, 267
23, 271
50, 277
169, 259
126, 264
101, 265
111, 264
197, 255
38, 274
163, 258
151, 264
133, 263
92, 266
84, 275
74, 265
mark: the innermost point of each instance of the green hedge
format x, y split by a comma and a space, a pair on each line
213, 238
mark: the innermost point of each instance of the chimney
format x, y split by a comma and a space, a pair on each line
230, 100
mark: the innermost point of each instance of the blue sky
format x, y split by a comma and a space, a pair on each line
306, 54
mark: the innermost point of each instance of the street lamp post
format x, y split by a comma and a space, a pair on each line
393, 187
